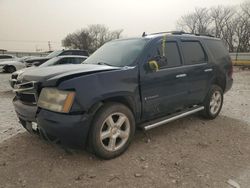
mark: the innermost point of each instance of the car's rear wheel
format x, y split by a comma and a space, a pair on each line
213, 102
112, 130
10, 69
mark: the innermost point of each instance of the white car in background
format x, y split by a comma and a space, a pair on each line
56, 61
7, 57
13, 65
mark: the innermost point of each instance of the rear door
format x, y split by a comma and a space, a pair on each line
163, 91
198, 70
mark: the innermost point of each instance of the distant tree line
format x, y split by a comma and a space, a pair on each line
232, 24
90, 38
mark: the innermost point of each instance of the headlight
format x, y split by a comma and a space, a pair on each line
56, 100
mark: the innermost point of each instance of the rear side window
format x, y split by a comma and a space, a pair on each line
83, 53
217, 48
77, 52
64, 61
168, 55
193, 52
5, 57
67, 53
79, 60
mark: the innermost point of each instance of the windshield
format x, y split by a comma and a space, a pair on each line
54, 54
50, 62
118, 53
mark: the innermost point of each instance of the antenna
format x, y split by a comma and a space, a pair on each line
144, 34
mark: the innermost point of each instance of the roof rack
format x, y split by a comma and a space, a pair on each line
178, 33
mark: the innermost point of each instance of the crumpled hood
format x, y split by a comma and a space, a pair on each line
41, 74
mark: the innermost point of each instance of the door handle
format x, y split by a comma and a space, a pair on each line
181, 75
208, 70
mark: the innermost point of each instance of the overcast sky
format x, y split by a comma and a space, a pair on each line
28, 24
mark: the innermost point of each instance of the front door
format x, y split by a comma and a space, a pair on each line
163, 91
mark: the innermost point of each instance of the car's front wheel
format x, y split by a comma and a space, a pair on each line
213, 102
112, 130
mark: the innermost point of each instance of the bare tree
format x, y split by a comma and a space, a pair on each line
196, 22
231, 24
242, 30
90, 38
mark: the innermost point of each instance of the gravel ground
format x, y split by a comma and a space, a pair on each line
189, 152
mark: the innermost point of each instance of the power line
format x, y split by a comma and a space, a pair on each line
29, 41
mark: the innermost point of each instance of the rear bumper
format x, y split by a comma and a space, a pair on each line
70, 130
229, 85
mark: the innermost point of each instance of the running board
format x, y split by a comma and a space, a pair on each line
173, 117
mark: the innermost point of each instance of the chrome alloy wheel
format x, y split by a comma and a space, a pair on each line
215, 102
115, 131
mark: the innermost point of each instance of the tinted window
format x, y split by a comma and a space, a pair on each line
64, 61
79, 60
67, 53
217, 48
82, 53
193, 52
75, 52
167, 55
5, 57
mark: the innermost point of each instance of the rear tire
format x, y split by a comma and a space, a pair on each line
213, 102
112, 130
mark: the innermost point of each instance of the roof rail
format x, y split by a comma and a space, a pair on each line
178, 33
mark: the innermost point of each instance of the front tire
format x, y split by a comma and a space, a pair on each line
112, 130
213, 102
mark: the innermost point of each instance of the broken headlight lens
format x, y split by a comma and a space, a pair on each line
56, 100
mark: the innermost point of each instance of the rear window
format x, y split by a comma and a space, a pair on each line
83, 53
193, 52
217, 48
5, 57
72, 52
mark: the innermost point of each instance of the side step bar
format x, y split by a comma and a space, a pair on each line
173, 117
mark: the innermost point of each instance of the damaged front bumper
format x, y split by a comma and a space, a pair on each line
67, 129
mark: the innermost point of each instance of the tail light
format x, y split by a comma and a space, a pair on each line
230, 71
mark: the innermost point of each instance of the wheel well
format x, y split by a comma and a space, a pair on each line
220, 82
127, 101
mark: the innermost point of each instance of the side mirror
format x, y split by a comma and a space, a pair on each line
153, 65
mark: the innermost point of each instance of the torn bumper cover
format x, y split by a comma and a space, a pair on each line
69, 130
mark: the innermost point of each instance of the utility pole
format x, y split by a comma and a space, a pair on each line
49, 45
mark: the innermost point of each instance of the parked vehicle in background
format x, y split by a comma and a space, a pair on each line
5, 57
11, 66
62, 60
59, 60
126, 84
40, 60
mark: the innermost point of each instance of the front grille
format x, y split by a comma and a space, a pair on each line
27, 97
27, 92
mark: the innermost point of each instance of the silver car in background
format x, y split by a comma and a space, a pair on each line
59, 60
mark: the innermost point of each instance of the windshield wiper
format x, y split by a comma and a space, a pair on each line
104, 63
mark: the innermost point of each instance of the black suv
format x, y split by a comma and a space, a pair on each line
36, 61
131, 83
